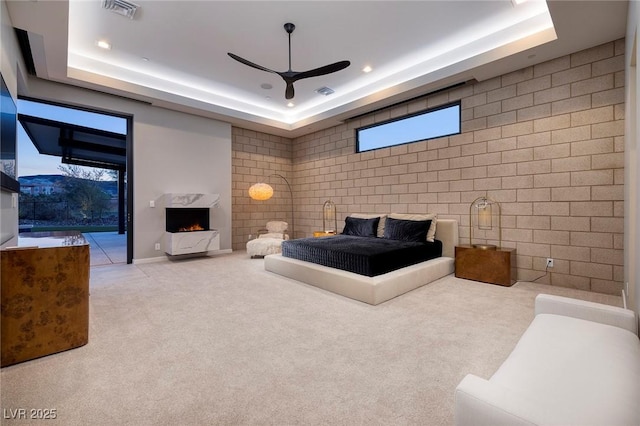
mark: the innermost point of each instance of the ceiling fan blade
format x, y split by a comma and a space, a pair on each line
291, 76
327, 69
251, 64
289, 92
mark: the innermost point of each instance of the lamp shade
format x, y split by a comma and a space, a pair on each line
485, 209
260, 191
485, 216
329, 219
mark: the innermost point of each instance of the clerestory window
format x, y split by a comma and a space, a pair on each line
430, 124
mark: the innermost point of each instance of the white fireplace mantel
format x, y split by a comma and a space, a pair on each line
179, 243
192, 242
177, 200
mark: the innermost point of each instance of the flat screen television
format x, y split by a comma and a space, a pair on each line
8, 140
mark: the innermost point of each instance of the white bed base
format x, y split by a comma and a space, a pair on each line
378, 289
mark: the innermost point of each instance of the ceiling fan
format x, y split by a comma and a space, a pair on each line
290, 76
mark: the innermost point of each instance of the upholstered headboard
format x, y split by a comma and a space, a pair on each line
447, 232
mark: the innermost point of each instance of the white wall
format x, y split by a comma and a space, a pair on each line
181, 153
172, 152
632, 157
9, 53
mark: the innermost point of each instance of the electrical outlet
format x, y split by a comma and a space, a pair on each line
549, 262
157, 246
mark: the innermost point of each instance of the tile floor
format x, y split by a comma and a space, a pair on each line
107, 248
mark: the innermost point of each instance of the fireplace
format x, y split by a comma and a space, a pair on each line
187, 219
187, 224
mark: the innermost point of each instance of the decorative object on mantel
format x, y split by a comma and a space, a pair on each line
263, 191
484, 208
187, 224
329, 219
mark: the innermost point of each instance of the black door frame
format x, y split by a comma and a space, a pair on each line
129, 160
129, 217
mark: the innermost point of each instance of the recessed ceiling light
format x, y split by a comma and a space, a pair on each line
103, 44
144, 58
291, 105
367, 69
266, 86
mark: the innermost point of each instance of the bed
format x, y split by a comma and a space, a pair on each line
377, 286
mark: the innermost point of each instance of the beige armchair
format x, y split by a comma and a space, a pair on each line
268, 242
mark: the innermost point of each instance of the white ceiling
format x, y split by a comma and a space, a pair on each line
413, 46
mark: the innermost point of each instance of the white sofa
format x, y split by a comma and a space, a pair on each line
578, 363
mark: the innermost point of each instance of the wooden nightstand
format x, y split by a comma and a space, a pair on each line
490, 266
323, 234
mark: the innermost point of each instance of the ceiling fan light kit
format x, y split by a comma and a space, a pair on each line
291, 76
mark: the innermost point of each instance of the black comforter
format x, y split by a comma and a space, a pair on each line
361, 255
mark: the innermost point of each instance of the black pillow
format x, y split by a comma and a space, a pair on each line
360, 227
406, 230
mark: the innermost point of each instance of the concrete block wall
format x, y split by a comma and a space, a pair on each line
255, 157
546, 141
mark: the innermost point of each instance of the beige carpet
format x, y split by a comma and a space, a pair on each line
221, 341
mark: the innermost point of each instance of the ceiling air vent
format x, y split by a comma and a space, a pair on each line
324, 91
121, 7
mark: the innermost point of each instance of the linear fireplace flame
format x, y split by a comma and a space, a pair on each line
191, 228
187, 219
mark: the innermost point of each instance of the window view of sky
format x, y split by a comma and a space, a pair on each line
30, 161
428, 125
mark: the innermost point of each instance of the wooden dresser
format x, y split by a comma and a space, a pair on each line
44, 295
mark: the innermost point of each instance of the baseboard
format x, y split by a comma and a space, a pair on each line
212, 253
217, 252
150, 260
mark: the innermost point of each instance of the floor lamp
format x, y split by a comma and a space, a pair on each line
263, 191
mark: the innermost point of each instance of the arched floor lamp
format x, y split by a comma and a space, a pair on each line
263, 191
